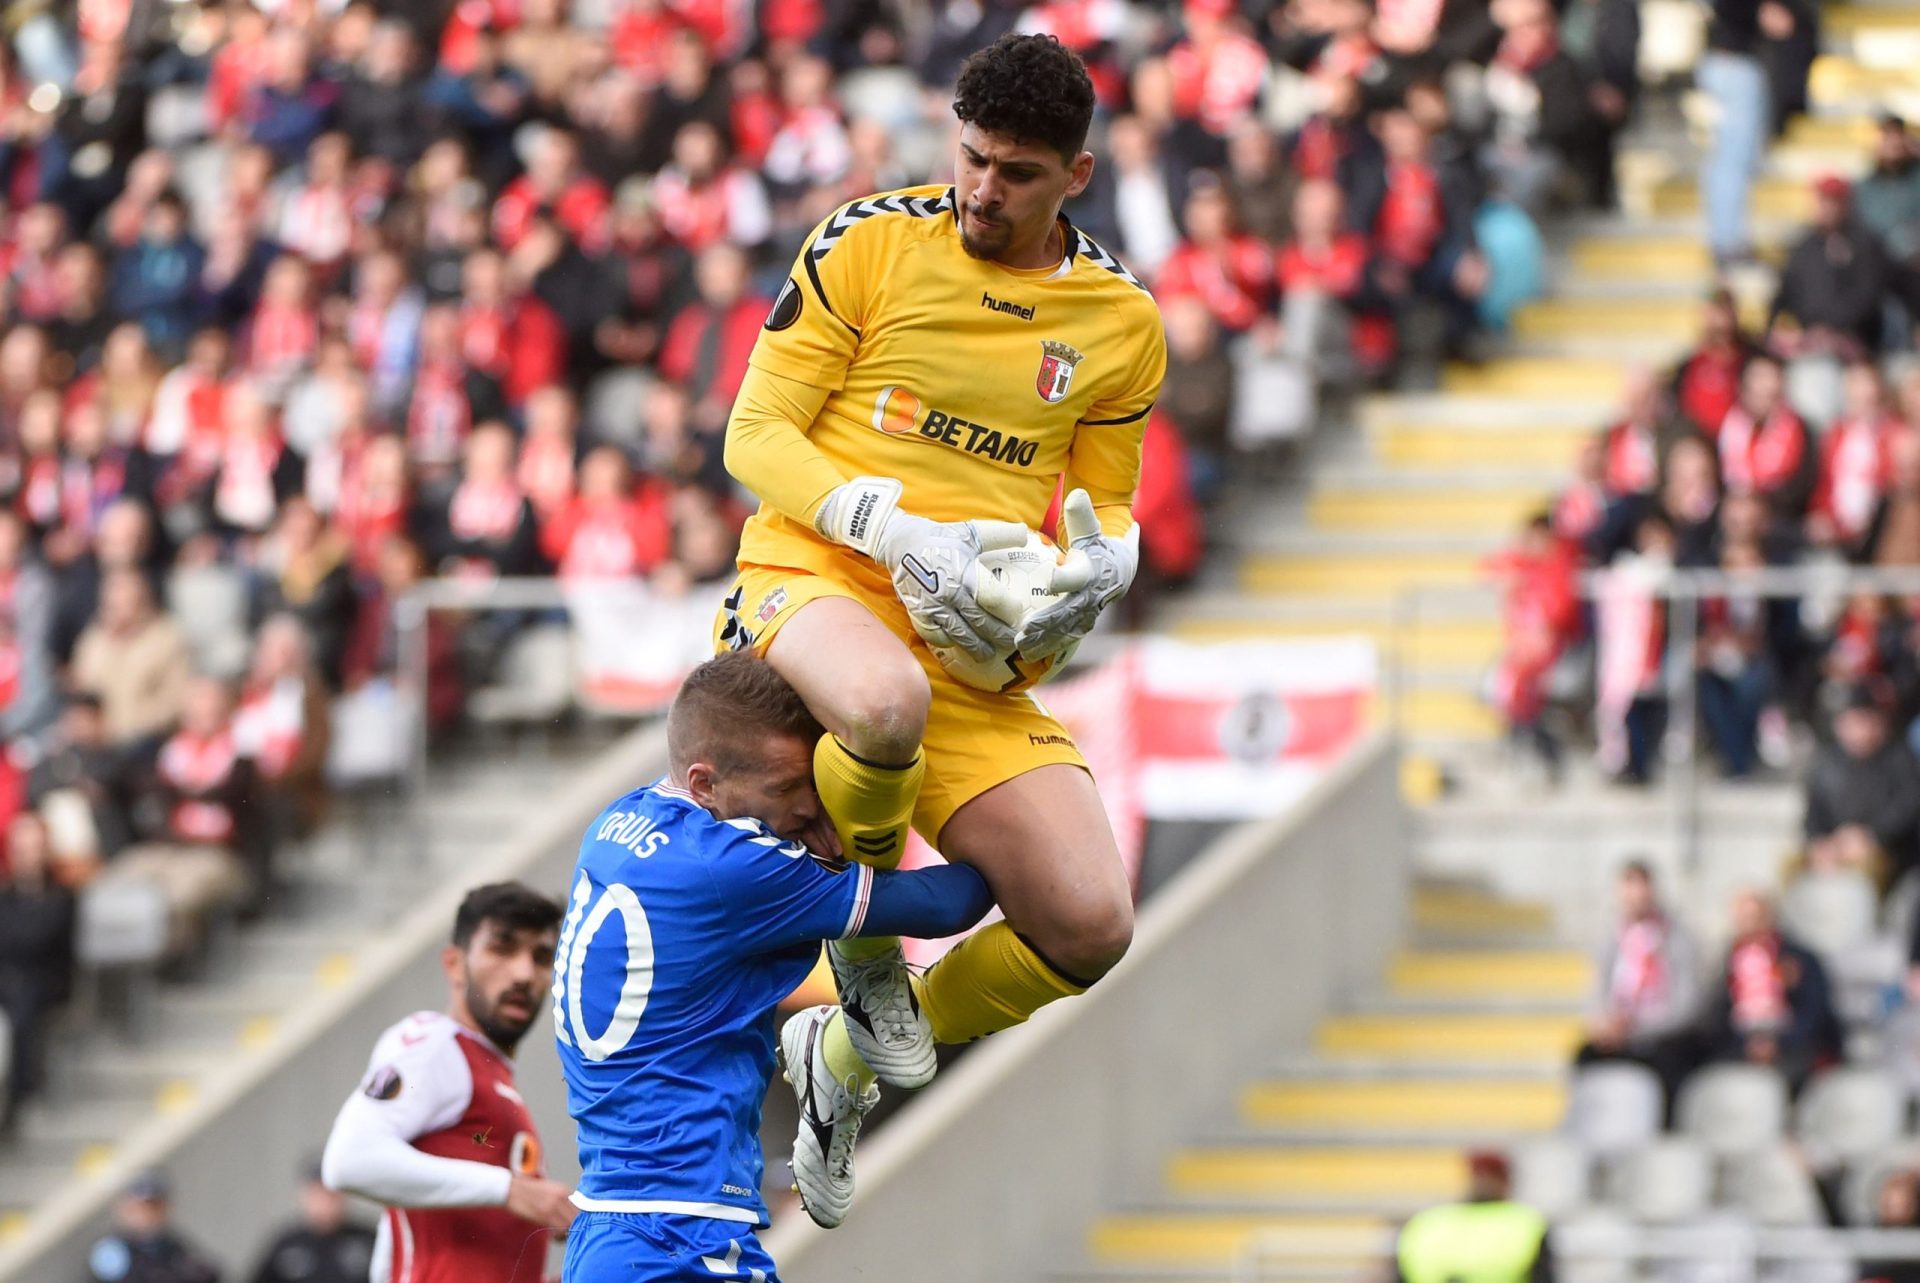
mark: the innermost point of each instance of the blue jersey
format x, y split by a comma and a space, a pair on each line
683, 932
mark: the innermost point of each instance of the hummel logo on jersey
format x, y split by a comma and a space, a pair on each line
1004, 307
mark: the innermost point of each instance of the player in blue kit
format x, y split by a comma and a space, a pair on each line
698, 903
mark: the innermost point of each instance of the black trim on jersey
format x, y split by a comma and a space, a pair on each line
1096, 254
1108, 423
836, 226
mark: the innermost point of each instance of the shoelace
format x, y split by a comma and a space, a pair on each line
890, 982
847, 1129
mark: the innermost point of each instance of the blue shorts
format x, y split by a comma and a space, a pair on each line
633, 1247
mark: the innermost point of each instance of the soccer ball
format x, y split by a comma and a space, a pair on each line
1009, 584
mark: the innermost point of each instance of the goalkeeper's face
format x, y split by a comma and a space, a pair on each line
1009, 194
772, 784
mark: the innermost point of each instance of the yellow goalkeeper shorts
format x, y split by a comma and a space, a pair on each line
975, 739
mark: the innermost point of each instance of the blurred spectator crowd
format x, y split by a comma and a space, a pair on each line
304, 303
1787, 436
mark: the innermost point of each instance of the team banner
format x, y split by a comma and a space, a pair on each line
1189, 731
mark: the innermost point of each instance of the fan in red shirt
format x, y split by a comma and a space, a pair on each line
707, 346
284, 331
549, 450
1541, 617
439, 412
1856, 462
555, 184
611, 529
506, 333
1764, 446
1326, 262
1218, 70
1707, 382
1225, 268
437, 1130
639, 38
703, 198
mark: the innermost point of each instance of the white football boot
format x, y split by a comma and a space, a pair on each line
830, 1116
884, 1019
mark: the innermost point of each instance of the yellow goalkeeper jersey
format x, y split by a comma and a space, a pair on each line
977, 385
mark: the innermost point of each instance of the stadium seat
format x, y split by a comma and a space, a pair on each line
1553, 1175
6, 1048
123, 929
1593, 1246
1775, 1188
1663, 1182
1849, 1113
1613, 1108
1733, 1109
1830, 913
1860, 1188
535, 682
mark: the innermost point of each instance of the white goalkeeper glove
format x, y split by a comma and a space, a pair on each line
1096, 572
926, 560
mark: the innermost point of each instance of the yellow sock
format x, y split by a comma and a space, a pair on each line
871, 807
837, 1050
990, 981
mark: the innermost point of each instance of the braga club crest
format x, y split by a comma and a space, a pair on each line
1057, 361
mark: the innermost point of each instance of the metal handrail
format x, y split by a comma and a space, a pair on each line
1682, 589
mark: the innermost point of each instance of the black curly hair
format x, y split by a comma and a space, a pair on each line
1029, 88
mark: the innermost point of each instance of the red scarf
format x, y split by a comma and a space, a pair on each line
1760, 459
439, 416
1710, 385
546, 472
193, 764
281, 340
484, 512
1639, 979
1632, 463
1757, 984
1410, 219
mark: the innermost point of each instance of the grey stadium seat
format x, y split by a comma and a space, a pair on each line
1667, 1181
536, 679
1860, 1190
1552, 1175
1593, 1246
1775, 1188
123, 922
1733, 1109
1614, 1107
1830, 913
1849, 1113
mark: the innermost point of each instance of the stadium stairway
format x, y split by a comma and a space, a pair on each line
1466, 1045
353, 881
1383, 530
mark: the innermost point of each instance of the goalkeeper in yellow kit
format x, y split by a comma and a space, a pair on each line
939, 359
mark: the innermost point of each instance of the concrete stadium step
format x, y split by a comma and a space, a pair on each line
1471, 642
1772, 197
1338, 573
1440, 717
1443, 510
1408, 1099
1674, 320
1570, 379
1269, 1273
1841, 85
1534, 974
1189, 1239
1464, 910
1299, 541
1549, 446
1473, 1036
1266, 1175
1488, 413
